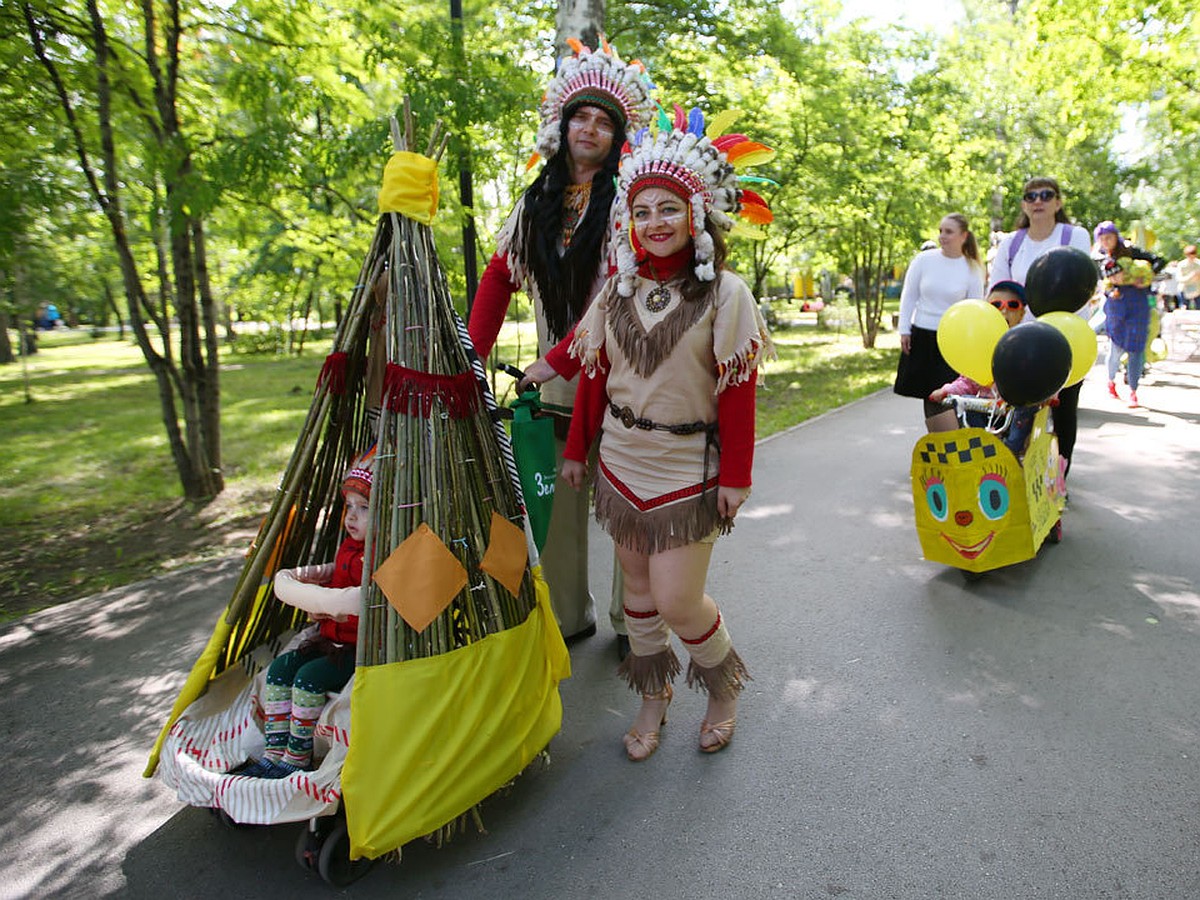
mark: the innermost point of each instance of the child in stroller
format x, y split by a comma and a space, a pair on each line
978, 406
297, 681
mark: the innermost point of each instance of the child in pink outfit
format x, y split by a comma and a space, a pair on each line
1009, 298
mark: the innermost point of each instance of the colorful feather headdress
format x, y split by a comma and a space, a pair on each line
698, 163
593, 78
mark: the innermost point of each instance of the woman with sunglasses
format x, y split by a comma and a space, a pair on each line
936, 279
1041, 226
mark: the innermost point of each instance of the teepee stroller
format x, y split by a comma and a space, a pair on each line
455, 637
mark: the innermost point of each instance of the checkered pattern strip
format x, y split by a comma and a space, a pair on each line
974, 446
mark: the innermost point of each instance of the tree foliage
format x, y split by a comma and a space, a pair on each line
183, 165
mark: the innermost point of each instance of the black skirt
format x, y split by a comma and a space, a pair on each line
922, 370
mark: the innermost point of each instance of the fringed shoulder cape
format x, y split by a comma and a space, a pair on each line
673, 391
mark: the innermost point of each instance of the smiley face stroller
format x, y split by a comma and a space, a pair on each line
455, 637
977, 505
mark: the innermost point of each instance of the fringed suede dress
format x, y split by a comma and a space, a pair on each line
673, 391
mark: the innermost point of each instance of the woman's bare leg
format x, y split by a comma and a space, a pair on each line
677, 579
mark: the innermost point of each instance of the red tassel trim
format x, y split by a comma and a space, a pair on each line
414, 392
333, 373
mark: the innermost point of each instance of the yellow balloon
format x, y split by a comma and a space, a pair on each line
1082, 339
967, 334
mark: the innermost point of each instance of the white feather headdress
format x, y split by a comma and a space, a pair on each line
698, 164
594, 78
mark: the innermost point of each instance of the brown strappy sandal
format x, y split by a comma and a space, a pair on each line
722, 731
640, 746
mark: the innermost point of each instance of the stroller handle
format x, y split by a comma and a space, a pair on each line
998, 412
970, 404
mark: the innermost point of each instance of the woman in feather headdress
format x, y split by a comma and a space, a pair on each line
671, 347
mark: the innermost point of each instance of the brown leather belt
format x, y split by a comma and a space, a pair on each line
629, 420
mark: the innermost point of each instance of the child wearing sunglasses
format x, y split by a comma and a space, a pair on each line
1009, 298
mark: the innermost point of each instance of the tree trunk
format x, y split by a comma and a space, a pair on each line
198, 477
28, 344
111, 300
583, 19
162, 313
461, 152
308, 305
210, 406
6, 350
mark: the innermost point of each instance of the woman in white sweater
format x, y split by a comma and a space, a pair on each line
935, 281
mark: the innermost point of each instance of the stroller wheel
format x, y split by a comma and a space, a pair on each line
334, 864
1055, 535
308, 849
227, 820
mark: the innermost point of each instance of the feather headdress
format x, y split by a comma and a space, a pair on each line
593, 78
697, 163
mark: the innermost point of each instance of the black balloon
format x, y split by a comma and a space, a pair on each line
1063, 279
1030, 363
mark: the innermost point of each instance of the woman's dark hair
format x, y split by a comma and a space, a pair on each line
1122, 249
692, 288
565, 282
1041, 181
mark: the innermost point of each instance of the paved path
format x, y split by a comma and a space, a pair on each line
907, 734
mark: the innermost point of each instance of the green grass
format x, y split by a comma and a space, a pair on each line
817, 371
92, 442
89, 495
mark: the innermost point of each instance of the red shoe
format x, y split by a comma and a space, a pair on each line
1112, 390
1133, 401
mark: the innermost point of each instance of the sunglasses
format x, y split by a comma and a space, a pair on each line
1012, 303
1044, 194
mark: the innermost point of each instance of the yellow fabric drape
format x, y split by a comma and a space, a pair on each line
196, 684
430, 738
410, 186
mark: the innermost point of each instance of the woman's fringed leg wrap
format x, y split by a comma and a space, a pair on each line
651, 664
715, 667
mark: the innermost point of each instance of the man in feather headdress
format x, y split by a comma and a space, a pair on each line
554, 245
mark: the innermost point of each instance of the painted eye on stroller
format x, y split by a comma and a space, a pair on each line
939, 505
993, 497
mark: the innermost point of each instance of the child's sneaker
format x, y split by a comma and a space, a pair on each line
1133, 400
277, 770
1112, 390
255, 768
